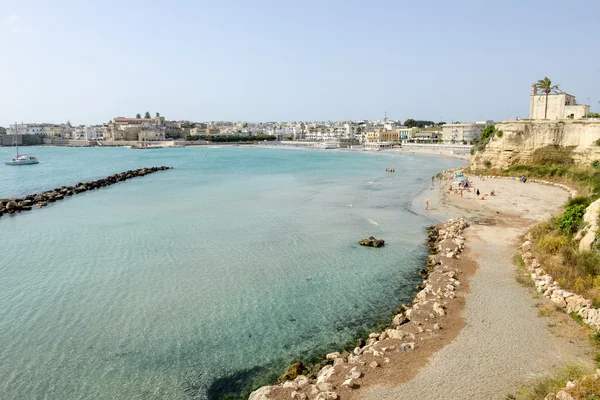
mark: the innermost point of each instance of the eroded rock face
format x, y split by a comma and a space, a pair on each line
591, 219
372, 242
537, 142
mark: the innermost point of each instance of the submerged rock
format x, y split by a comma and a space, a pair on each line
372, 242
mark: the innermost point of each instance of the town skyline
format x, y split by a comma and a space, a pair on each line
268, 61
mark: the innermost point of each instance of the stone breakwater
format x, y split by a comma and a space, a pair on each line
39, 200
422, 320
564, 300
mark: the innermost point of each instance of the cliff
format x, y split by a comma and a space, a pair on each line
539, 142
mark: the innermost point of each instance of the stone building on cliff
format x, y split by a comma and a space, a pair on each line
560, 106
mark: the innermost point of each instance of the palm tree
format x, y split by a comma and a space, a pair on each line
545, 86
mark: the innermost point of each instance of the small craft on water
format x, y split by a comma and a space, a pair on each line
21, 159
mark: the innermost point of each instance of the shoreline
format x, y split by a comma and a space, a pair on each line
405, 365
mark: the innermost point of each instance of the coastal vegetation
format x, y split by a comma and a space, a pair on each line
222, 138
486, 135
551, 384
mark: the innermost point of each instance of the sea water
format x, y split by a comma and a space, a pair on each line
196, 282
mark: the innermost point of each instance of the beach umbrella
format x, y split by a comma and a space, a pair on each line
462, 179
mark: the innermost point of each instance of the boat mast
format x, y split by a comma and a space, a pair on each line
17, 137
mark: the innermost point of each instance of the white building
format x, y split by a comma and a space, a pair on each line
560, 106
466, 133
25, 129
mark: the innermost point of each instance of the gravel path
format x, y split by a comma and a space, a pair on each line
504, 343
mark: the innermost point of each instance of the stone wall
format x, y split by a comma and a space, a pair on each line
21, 140
538, 142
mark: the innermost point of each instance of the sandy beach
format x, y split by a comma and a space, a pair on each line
504, 343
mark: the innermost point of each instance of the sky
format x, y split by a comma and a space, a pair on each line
88, 61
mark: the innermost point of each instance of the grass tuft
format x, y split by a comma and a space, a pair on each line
539, 389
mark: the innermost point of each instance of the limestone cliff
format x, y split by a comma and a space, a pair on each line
539, 142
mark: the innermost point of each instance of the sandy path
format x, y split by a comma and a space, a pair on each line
504, 342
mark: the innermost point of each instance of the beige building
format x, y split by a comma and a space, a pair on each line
122, 128
466, 133
382, 135
560, 106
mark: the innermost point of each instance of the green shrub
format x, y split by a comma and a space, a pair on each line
499, 133
595, 163
487, 163
472, 150
587, 262
597, 142
571, 219
552, 244
573, 201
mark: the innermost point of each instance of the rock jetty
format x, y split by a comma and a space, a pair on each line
345, 371
39, 200
372, 242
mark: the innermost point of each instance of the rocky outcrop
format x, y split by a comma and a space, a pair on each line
39, 200
591, 220
372, 242
538, 142
412, 324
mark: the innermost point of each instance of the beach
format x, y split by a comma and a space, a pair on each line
489, 340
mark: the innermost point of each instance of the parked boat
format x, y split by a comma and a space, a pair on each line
21, 159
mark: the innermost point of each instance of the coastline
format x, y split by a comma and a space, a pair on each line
407, 364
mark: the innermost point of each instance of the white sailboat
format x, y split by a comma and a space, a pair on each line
21, 159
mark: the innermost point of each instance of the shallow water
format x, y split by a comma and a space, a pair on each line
238, 261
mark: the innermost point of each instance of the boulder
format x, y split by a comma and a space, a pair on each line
372, 242
261, 394
351, 383
12, 205
355, 373
325, 387
293, 371
438, 309
563, 395
325, 374
327, 396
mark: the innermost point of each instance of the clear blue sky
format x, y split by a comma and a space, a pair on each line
89, 61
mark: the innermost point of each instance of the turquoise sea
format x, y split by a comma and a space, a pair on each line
193, 282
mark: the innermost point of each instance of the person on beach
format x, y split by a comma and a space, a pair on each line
427, 204
492, 193
461, 193
477, 192
433, 181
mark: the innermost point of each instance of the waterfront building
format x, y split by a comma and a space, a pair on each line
466, 133
560, 106
406, 134
382, 135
